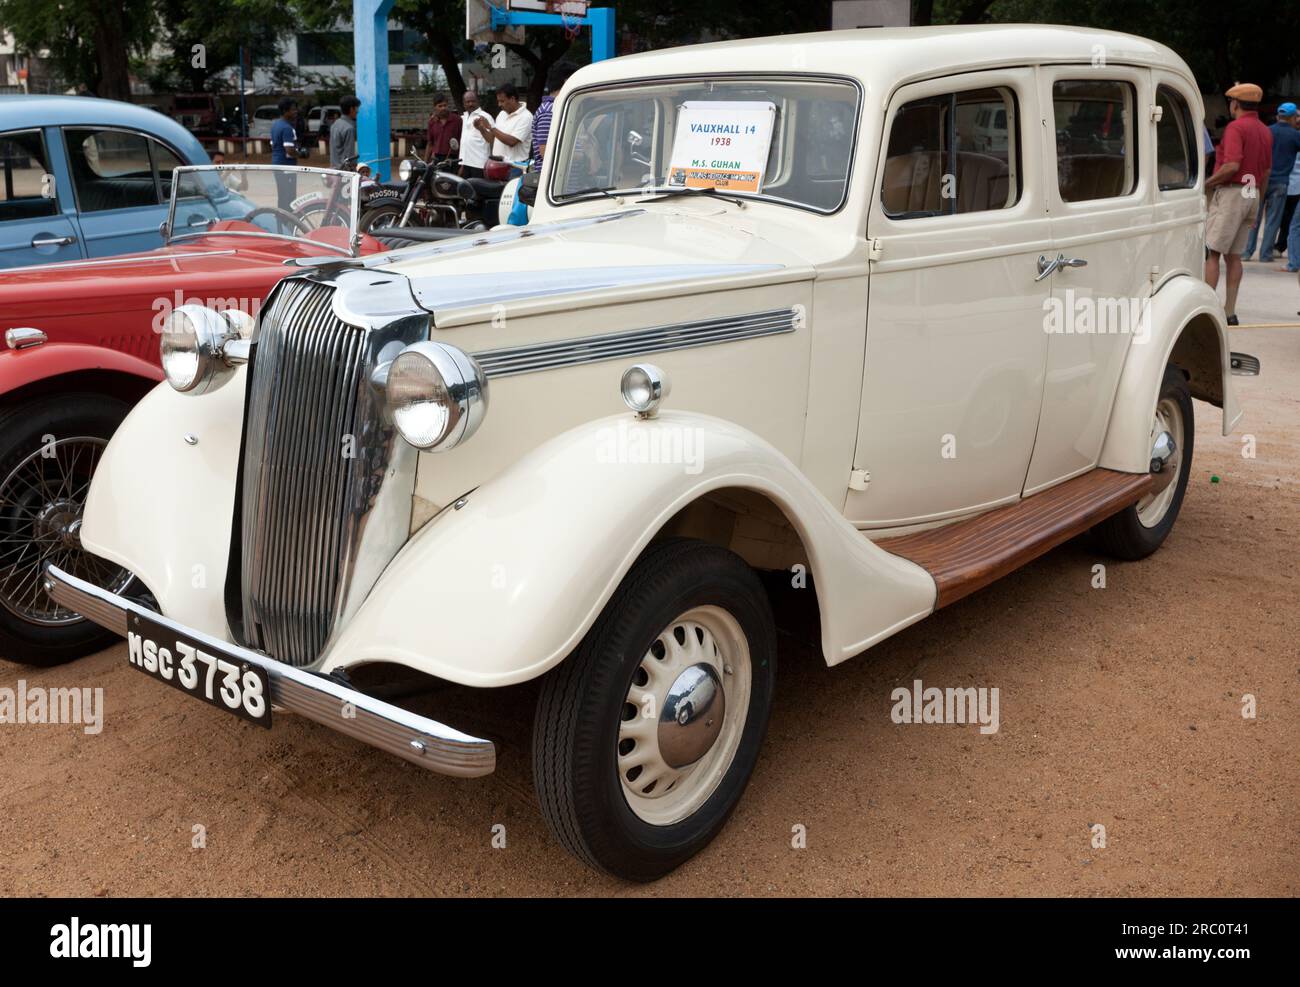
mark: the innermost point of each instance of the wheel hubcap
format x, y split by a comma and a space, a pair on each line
692, 716
684, 715
42, 500
1167, 441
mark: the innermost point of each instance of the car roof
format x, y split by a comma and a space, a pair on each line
24, 111
882, 58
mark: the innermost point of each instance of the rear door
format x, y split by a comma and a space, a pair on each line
36, 224
1099, 189
955, 345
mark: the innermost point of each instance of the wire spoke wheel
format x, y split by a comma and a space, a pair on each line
42, 500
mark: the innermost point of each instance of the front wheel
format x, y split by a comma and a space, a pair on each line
48, 452
1137, 531
645, 737
378, 218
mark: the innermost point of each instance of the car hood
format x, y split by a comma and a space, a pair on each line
598, 260
214, 267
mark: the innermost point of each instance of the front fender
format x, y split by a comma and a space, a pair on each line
18, 368
1185, 322
501, 589
161, 505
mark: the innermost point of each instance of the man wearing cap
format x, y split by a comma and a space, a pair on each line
1286, 143
1241, 164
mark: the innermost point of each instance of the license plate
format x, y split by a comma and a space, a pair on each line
199, 670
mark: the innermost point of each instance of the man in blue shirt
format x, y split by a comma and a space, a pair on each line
1286, 144
285, 151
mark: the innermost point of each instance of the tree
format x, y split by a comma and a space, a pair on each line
89, 41
221, 27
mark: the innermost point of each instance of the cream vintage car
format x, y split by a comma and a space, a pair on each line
893, 310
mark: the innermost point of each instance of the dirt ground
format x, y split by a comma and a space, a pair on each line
1119, 706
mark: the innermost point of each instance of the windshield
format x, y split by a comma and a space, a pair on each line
313, 205
788, 140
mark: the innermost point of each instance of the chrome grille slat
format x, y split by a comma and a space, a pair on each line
299, 490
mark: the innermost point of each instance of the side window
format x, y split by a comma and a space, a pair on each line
25, 192
110, 169
953, 153
1178, 142
165, 161
1096, 155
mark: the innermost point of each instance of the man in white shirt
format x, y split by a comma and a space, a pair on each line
512, 133
474, 147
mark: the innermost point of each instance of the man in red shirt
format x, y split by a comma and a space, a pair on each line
444, 127
1241, 167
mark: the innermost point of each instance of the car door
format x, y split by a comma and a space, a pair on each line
1099, 191
120, 203
955, 346
36, 224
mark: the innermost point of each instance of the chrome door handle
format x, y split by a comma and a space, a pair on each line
53, 241
1046, 267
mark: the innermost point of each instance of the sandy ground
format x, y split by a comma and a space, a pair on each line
1119, 706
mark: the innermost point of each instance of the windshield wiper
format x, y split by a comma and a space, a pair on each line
668, 191
594, 190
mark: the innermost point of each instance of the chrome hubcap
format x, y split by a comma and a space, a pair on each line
1167, 441
41, 504
684, 715
692, 716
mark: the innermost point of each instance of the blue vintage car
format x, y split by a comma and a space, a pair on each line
83, 177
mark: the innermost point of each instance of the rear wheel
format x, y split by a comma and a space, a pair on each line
48, 451
1137, 531
646, 736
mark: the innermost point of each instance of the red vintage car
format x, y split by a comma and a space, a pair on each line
81, 346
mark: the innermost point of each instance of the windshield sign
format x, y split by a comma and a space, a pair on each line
786, 140
312, 205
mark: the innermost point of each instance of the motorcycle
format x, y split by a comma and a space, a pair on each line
432, 196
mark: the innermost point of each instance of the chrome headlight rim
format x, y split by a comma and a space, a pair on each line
404, 170
463, 382
210, 331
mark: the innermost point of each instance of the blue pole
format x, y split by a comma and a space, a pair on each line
374, 123
602, 33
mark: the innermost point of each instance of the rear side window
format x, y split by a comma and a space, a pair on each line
1096, 154
111, 169
25, 190
953, 153
1177, 142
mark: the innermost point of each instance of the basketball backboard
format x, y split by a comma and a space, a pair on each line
478, 24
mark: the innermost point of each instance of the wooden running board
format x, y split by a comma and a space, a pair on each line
968, 555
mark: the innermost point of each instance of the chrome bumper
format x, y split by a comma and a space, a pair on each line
410, 736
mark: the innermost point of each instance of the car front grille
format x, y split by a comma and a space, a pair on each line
312, 439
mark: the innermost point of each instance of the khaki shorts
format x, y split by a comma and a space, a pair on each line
1229, 219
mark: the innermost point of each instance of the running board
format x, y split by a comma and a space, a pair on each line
968, 555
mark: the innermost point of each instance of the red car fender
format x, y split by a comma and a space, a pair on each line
18, 368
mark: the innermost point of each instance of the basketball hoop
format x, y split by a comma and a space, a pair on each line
571, 13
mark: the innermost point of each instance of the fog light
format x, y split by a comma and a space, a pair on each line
644, 386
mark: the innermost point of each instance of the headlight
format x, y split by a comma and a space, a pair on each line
437, 395
191, 348
404, 170
644, 386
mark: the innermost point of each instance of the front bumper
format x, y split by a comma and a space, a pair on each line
410, 736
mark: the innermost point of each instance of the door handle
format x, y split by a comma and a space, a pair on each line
53, 241
1046, 267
